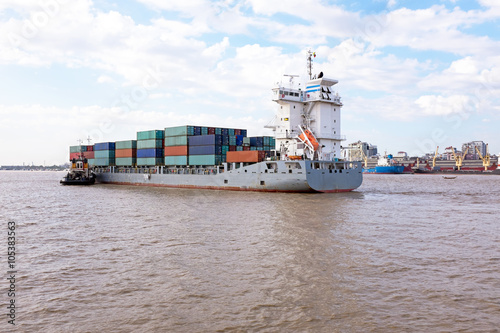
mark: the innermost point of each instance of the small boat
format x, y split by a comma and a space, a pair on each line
79, 173
449, 177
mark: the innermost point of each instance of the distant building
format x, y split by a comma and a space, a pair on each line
472, 152
355, 148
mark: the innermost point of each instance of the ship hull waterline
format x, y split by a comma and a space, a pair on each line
255, 177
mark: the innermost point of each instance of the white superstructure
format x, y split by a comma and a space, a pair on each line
316, 109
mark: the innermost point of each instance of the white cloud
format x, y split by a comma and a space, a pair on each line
441, 106
105, 79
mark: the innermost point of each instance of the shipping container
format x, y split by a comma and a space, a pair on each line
88, 154
230, 131
176, 151
104, 146
247, 148
152, 143
179, 130
225, 149
77, 149
239, 140
205, 159
74, 156
256, 141
104, 154
91, 162
148, 153
246, 141
237, 131
211, 130
218, 131
239, 148
243, 132
150, 161
205, 150
225, 131
176, 160
125, 161
104, 161
232, 148
128, 144
205, 140
180, 140
197, 130
150, 135
225, 140
125, 153
245, 156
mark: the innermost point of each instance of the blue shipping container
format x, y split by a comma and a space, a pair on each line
151, 152
205, 150
104, 146
205, 140
239, 140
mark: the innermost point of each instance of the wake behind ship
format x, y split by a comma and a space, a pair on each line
302, 156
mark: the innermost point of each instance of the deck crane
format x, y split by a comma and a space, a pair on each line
486, 159
460, 158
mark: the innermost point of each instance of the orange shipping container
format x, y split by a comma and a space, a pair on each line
126, 153
248, 156
176, 151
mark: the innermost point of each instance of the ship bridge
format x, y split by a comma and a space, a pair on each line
316, 90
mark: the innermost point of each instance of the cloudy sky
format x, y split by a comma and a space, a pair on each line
413, 75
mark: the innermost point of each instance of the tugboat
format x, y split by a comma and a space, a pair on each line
79, 173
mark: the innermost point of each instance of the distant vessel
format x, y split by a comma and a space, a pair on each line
304, 156
385, 165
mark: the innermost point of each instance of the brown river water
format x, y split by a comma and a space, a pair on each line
403, 253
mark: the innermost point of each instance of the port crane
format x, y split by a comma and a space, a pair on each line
434, 158
486, 159
459, 159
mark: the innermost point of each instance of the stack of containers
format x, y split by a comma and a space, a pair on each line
150, 148
126, 153
206, 149
87, 152
176, 144
104, 154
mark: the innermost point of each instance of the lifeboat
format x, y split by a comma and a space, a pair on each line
307, 136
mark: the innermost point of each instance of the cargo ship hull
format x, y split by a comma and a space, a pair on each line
275, 176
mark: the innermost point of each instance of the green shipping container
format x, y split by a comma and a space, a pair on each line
181, 140
149, 135
125, 161
150, 161
176, 160
179, 130
104, 154
239, 148
104, 161
246, 141
205, 159
148, 144
129, 144
76, 149
91, 162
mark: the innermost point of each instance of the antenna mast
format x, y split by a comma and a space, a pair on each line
310, 54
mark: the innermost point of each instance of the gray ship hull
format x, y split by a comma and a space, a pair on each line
275, 176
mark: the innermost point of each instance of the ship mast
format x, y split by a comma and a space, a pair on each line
310, 54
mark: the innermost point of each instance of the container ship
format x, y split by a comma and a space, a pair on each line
303, 155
